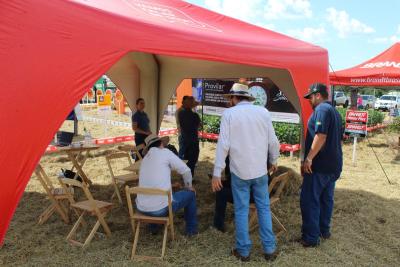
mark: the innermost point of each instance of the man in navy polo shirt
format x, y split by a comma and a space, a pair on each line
321, 168
140, 122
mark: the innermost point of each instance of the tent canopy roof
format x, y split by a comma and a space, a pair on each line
382, 70
52, 52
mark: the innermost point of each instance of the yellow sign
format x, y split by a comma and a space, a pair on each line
104, 100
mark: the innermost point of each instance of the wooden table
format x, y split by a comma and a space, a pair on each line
73, 154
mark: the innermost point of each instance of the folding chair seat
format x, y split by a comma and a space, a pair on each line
55, 195
137, 218
275, 189
92, 207
119, 181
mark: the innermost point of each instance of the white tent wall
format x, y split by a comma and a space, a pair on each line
155, 78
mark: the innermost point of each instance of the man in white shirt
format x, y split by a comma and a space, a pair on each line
248, 137
155, 172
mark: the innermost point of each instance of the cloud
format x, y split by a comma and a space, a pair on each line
308, 34
248, 10
287, 9
344, 24
390, 39
256, 10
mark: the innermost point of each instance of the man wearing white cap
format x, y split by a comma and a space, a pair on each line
248, 137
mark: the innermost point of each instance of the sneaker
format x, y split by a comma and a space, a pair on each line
240, 257
272, 256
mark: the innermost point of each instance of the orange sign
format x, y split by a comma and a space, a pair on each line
104, 100
108, 92
118, 95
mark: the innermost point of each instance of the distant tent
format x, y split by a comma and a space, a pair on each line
382, 70
52, 52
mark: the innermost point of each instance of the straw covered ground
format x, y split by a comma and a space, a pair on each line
366, 228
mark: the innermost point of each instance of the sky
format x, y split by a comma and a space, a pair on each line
352, 31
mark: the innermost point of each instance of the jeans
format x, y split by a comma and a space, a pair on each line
241, 198
316, 203
182, 199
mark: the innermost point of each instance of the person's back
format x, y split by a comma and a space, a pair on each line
250, 130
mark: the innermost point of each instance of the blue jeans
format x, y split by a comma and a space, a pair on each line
182, 199
316, 203
241, 198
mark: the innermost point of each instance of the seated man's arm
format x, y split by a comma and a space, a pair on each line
179, 166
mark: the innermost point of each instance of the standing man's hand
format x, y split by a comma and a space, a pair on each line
307, 165
273, 168
216, 184
191, 188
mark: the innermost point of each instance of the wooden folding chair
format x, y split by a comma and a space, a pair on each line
56, 196
134, 149
91, 207
275, 189
137, 218
120, 180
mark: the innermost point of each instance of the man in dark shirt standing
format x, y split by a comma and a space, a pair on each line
189, 124
321, 168
140, 122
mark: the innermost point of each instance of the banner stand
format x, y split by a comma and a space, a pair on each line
354, 150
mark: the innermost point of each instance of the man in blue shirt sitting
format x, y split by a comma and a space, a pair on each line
321, 168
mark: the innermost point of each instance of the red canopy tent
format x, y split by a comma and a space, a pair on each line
51, 52
382, 70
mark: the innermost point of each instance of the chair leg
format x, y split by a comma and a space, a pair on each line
171, 225
46, 214
135, 240
75, 227
91, 235
62, 211
104, 224
281, 226
164, 240
116, 192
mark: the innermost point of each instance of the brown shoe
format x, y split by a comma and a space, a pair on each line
272, 256
240, 257
306, 244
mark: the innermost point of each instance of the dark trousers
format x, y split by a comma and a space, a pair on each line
316, 203
181, 147
222, 198
191, 153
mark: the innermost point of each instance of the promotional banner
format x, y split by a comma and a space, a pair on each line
267, 94
356, 122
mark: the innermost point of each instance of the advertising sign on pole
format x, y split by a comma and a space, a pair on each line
356, 122
356, 125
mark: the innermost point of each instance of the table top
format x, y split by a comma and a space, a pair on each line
74, 149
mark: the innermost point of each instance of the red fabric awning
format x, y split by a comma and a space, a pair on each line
382, 70
51, 52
